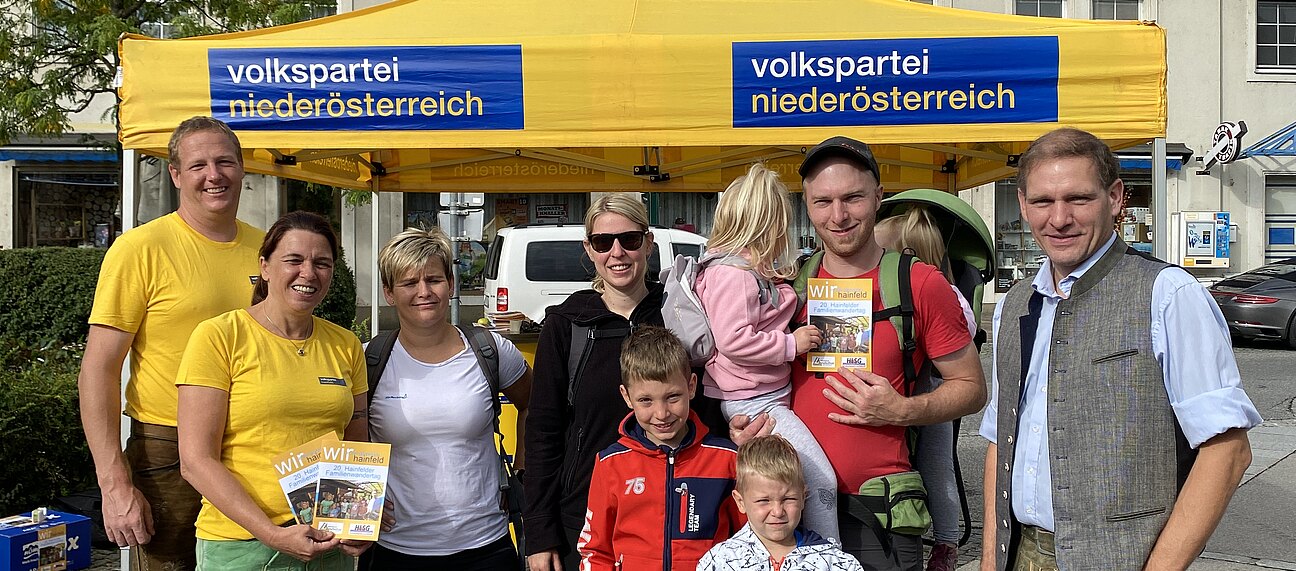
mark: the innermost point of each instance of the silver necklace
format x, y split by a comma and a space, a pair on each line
301, 349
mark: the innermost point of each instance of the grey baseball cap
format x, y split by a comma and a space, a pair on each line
844, 147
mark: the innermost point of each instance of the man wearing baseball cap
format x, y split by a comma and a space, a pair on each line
860, 417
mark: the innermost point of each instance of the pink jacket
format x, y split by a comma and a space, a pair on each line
753, 345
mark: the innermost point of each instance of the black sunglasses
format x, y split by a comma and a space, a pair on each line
630, 241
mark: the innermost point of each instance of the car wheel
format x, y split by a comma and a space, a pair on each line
1291, 331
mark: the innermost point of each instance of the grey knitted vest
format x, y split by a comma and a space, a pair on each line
1114, 443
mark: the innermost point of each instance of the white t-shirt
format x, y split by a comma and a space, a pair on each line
443, 479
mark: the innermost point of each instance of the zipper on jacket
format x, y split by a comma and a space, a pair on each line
671, 513
569, 470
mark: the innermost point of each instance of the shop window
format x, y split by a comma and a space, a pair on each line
1276, 35
65, 208
1046, 8
1117, 9
1019, 255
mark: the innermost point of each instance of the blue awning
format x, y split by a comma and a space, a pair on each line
1146, 164
1282, 143
58, 156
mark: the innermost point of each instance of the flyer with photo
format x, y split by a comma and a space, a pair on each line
352, 484
843, 312
298, 471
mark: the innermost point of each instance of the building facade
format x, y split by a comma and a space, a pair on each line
1228, 61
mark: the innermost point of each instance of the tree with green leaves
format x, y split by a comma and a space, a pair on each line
57, 56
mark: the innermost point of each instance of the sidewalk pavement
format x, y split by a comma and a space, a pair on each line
1257, 531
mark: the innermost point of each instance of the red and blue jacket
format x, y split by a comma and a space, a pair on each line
652, 508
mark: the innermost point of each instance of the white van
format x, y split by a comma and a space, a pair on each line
534, 266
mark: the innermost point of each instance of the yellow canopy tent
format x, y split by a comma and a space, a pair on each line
660, 95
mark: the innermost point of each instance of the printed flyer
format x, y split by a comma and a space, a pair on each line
298, 471
352, 483
843, 312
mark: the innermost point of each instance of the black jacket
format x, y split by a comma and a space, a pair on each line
562, 441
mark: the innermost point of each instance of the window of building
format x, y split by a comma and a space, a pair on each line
322, 9
1276, 35
1046, 8
161, 30
1117, 9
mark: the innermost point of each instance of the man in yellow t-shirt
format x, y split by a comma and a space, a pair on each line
156, 284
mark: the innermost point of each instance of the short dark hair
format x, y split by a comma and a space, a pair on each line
652, 353
296, 220
197, 125
1065, 143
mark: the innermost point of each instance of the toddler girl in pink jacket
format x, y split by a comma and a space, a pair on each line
749, 307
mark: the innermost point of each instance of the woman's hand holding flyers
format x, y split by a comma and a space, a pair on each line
301, 541
354, 547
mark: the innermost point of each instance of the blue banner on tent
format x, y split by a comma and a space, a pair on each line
837, 83
372, 88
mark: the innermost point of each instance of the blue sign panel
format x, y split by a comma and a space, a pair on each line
372, 88
1222, 235
1282, 236
838, 83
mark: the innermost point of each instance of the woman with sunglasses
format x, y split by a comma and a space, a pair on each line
564, 431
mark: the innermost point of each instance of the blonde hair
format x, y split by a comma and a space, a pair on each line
771, 457
201, 124
652, 353
754, 214
624, 203
916, 230
411, 250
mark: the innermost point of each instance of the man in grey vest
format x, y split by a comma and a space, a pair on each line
1117, 418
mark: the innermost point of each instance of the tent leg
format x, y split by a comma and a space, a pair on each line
374, 294
130, 189
1160, 205
129, 213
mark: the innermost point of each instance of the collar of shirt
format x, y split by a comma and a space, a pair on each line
1043, 283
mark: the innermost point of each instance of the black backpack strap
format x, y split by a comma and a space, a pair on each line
577, 354
908, 340
377, 353
864, 509
484, 348
483, 345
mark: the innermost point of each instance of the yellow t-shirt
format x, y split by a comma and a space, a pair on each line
159, 281
277, 400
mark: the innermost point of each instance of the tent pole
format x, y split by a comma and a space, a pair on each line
374, 294
129, 192
130, 188
1160, 207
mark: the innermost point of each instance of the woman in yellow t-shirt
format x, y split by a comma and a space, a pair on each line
256, 382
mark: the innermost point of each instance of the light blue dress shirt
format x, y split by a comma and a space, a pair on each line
1190, 341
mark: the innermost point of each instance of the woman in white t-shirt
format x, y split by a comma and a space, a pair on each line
434, 405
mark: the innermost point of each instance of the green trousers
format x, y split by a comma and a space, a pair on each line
253, 555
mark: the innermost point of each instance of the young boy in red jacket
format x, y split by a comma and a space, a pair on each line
660, 497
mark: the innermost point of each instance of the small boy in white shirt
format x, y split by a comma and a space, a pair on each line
771, 491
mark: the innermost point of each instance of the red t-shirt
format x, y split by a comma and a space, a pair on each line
858, 453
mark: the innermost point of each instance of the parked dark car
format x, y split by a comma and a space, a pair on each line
1261, 303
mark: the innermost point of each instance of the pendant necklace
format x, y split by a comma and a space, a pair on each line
301, 349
